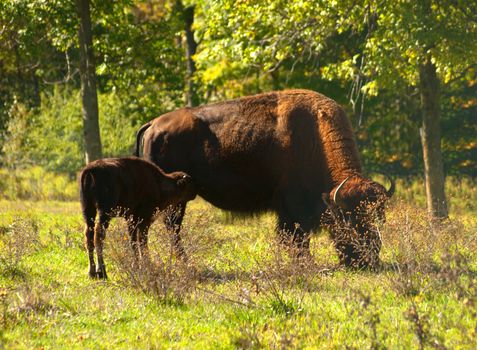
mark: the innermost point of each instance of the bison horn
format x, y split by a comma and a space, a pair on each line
392, 188
335, 196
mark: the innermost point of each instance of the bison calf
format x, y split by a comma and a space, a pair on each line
131, 188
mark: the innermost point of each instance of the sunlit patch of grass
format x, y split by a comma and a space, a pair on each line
239, 288
461, 195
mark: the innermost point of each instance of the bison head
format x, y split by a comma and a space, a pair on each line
355, 208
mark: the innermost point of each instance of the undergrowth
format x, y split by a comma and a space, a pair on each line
238, 288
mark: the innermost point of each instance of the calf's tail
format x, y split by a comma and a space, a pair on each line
88, 205
139, 134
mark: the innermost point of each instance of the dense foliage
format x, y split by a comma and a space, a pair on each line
366, 57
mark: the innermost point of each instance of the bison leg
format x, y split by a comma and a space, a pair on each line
357, 254
99, 236
346, 254
296, 219
292, 234
173, 221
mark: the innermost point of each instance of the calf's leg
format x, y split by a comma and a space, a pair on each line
99, 236
89, 235
138, 230
132, 228
89, 214
142, 231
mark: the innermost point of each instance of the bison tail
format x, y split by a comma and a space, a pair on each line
139, 134
88, 205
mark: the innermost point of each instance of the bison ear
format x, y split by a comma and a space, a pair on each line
326, 199
335, 209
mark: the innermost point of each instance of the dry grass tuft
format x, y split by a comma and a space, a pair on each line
19, 239
24, 301
422, 328
355, 249
427, 254
282, 279
248, 338
158, 273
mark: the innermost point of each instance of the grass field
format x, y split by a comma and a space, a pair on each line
239, 289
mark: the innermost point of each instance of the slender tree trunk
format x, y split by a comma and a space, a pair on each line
36, 89
20, 82
431, 140
191, 48
89, 96
275, 75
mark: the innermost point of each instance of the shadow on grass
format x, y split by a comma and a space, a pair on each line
217, 276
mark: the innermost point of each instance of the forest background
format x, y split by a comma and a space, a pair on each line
78, 78
150, 57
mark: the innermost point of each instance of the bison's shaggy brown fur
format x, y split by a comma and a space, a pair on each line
132, 188
277, 151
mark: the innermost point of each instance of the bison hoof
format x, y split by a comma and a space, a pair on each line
92, 274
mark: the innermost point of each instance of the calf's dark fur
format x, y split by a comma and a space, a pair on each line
132, 188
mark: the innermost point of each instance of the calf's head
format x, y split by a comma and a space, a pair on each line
178, 187
355, 210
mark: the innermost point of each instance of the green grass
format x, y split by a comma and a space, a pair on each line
244, 292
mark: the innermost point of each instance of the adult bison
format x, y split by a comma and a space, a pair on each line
292, 152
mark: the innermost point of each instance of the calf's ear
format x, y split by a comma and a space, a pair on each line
168, 185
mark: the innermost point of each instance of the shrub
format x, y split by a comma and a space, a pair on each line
36, 183
20, 239
51, 136
427, 255
158, 273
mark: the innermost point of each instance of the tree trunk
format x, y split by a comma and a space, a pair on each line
431, 140
19, 80
36, 89
275, 75
191, 48
89, 96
